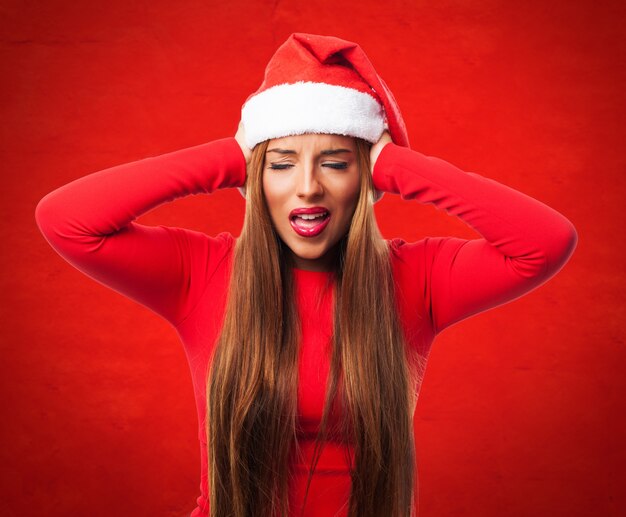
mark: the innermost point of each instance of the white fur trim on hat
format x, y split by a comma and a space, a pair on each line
311, 107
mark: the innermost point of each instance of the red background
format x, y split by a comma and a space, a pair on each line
521, 411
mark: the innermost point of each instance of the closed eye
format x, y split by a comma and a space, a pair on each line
334, 165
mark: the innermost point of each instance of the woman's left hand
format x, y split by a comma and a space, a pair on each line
384, 139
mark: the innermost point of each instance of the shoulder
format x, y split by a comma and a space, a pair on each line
417, 261
407, 261
403, 251
222, 240
423, 249
219, 245
202, 251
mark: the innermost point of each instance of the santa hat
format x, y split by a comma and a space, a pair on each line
321, 84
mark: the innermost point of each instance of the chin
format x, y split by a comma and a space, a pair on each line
308, 254
308, 251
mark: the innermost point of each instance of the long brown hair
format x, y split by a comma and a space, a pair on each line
252, 378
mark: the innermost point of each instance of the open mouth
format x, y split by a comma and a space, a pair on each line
310, 225
309, 220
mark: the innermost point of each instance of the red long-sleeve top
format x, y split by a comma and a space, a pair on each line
182, 275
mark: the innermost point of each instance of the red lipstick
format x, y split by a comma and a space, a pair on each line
308, 210
309, 227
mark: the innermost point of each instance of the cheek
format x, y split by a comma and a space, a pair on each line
268, 187
272, 194
273, 185
277, 186
350, 189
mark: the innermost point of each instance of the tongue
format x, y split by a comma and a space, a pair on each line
309, 223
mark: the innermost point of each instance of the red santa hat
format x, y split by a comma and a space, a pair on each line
321, 84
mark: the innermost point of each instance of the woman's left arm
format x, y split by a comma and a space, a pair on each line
525, 242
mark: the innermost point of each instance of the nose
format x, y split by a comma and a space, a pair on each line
308, 183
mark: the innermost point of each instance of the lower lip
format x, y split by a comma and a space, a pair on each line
310, 232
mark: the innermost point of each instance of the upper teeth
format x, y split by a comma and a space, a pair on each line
311, 216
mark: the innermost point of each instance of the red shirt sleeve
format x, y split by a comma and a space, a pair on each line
525, 242
90, 223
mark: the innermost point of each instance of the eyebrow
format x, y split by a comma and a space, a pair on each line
325, 152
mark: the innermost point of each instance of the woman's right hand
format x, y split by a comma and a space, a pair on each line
240, 136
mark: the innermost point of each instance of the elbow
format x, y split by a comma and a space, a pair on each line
567, 240
548, 257
571, 241
561, 248
48, 217
43, 215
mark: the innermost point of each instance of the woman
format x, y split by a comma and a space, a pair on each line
307, 336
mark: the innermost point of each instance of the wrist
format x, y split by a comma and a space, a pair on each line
379, 179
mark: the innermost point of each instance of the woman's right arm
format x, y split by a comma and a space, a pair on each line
90, 222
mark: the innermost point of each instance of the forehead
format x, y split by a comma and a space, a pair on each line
313, 141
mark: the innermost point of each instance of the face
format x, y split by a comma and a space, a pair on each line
315, 173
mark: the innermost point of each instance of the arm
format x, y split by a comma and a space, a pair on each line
90, 223
525, 242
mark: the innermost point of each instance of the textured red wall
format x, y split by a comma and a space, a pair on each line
521, 411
